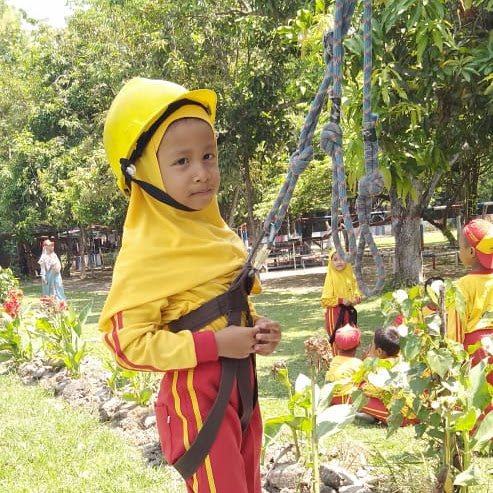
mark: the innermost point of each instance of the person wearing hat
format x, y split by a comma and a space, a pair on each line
476, 322
178, 302
344, 364
50, 272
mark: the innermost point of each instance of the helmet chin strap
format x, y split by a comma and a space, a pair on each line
128, 167
153, 191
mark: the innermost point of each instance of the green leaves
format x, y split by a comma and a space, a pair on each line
309, 409
60, 329
440, 361
483, 434
333, 419
439, 386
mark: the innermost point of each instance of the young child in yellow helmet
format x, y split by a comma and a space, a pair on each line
176, 304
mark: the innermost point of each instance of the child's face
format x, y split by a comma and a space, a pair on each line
466, 251
337, 262
187, 157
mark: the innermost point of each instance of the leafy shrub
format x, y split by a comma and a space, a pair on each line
436, 380
15, 339
60, 329
7, 283
132, 386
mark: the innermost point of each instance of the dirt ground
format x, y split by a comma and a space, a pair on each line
311, 278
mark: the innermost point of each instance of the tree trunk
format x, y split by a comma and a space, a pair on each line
249, 190
82, 252
234, 205
406, 219
249, 199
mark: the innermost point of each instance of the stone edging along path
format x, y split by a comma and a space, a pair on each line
280, 474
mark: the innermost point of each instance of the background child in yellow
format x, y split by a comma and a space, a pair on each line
340, 294
171, 308
345, 364
385, 345
476, 252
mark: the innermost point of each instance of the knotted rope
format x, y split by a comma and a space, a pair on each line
331, 142
372, 183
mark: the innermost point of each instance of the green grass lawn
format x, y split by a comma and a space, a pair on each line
62, 449
49, 447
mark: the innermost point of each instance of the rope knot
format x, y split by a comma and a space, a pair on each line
300, 159
371, 184
331, 137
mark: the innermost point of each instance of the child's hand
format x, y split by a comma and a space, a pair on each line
365, 352
268, 336
357, 300
236, 342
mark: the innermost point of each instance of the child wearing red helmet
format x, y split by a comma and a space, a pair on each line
476, 323
344, 364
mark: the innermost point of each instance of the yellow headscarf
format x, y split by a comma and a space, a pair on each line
339, 283
166, 251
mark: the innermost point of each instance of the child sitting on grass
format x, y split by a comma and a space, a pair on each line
385, 345
345, 364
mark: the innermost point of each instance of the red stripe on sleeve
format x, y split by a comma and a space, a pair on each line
118, 351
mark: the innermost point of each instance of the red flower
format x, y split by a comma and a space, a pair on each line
12, 304
62, 306
12, 308
15, 294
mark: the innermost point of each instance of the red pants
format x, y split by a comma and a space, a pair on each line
341, 399
184, 401
376, 408
331, 316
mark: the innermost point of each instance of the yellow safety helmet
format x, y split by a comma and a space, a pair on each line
135, 114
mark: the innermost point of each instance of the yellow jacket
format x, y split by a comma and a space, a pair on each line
342, 368
338, 285
171, 262
477, 289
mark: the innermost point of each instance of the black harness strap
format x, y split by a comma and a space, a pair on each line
190, 461
233, 302
353, 319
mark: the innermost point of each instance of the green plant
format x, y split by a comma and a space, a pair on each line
133, 386
15, 341
7, 283
436, 381
310, 416
140, 387
60, 329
